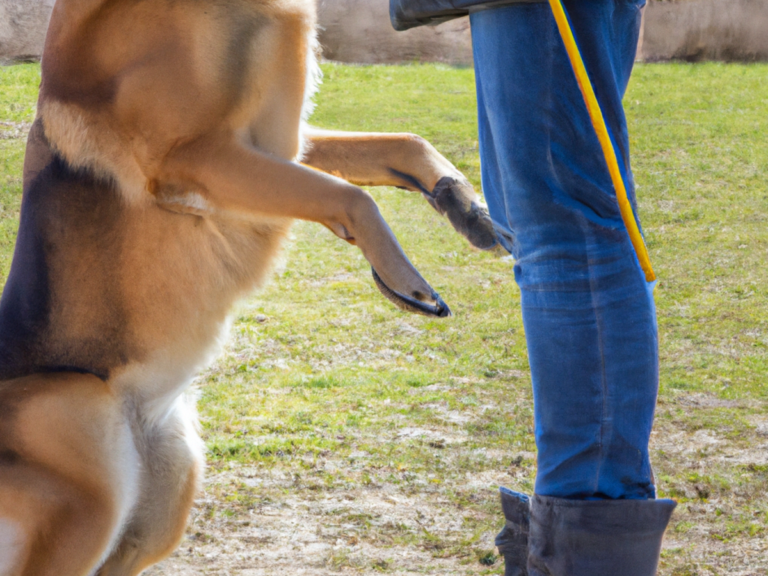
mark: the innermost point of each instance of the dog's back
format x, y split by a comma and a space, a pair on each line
69, 235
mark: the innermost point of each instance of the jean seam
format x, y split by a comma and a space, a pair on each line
603, 376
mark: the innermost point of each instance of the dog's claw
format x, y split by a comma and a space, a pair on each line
455, 199
439, 309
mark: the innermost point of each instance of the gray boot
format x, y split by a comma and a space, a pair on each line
596, 537
512, 541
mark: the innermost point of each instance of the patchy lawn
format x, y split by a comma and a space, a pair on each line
347, 437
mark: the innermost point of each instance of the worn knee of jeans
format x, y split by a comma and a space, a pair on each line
592, 344
587, 310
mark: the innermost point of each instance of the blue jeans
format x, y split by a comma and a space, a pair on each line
588, 312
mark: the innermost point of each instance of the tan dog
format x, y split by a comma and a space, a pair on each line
161, 176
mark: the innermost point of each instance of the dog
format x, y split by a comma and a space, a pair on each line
169, 156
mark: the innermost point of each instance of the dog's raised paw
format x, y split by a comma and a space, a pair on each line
456, 200
408, 304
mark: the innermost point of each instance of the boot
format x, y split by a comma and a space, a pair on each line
512, 541
596, 537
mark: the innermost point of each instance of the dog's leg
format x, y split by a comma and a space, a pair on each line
220, 173
172, 465
67, 466
406, 161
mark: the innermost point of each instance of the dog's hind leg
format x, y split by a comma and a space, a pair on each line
67, 472
172, 466
406, 161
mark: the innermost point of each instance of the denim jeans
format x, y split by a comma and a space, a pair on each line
588, 312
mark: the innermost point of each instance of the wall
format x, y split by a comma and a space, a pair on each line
706, 30
22, 28
359, 31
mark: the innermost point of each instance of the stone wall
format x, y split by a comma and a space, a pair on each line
696, 30
22, 28
359, 31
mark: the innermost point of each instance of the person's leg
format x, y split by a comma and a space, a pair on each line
587, 309
588, 312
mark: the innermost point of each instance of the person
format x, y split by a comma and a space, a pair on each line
585, 279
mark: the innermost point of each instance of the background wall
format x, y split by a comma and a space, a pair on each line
706, 30
22, 28
359, 31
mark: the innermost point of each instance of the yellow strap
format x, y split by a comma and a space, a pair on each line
598, 122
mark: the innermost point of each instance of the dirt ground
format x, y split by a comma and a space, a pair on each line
305, 533
268, 521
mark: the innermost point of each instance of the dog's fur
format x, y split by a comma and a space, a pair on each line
161, 175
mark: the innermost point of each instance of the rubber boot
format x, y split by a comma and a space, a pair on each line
512, 541
596, 537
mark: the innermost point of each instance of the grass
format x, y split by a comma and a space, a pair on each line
364, 440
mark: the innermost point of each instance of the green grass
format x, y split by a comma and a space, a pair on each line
329, 388
18, 96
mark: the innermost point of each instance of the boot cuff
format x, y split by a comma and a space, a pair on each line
515, 504
596, 537
604, 516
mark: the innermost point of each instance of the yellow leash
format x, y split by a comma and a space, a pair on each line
598, 122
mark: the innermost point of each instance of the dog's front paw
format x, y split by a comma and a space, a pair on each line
431, 305
456, 200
